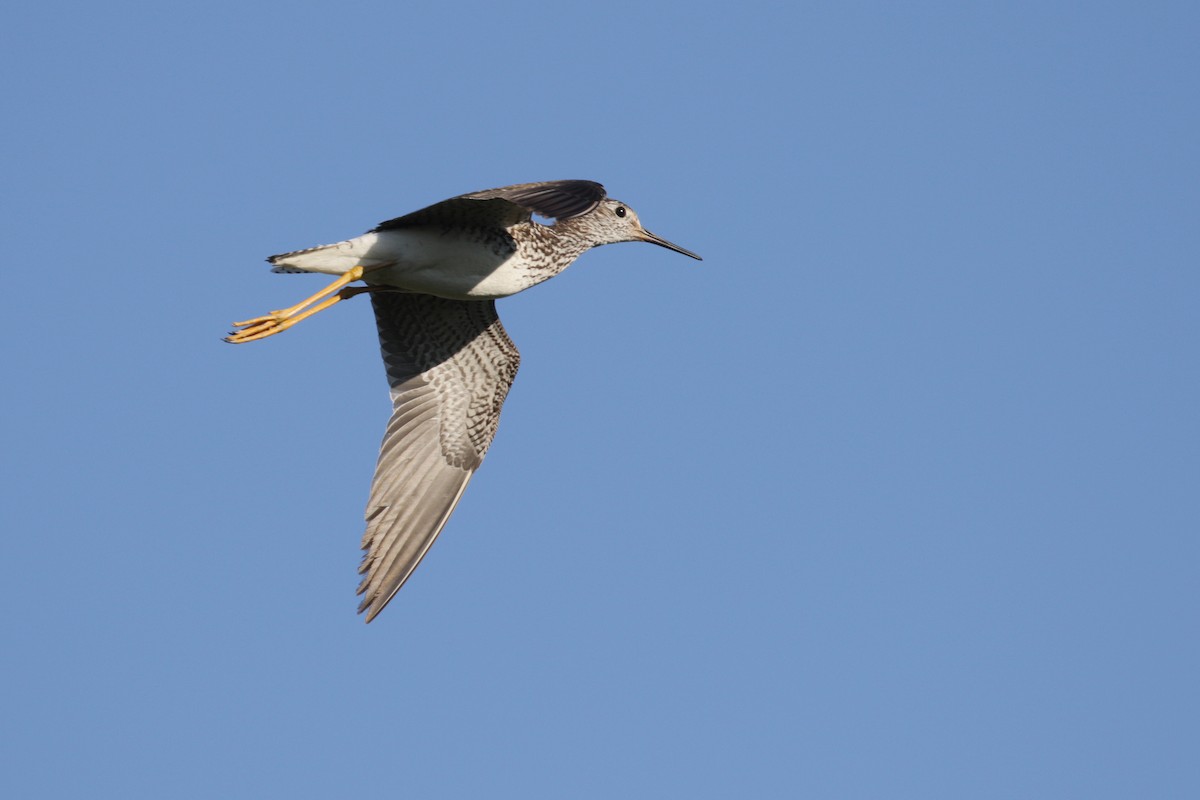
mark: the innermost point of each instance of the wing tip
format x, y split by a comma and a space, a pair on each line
372, 613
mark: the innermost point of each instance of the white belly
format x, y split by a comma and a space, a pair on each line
421, 261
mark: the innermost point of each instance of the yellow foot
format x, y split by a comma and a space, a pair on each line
279, 321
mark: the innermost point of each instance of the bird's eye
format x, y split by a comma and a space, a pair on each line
620, 211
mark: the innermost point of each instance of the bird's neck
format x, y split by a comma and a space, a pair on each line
569, 239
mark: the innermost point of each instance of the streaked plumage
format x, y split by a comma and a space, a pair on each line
433, 276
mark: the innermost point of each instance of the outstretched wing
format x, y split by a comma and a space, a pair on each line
450, 365
506, 206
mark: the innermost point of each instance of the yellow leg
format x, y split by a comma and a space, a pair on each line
279, 321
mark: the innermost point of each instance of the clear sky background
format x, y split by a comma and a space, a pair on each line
895, 495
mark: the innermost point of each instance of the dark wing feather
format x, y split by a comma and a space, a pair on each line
506, 206
450, 365
557, 199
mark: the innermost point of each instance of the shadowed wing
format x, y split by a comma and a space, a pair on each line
506, 206
450, 365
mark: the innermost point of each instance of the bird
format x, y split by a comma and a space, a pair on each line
434, 276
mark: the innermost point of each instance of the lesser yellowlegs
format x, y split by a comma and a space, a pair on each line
433, 276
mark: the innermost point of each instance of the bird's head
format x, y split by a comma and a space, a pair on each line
612, 221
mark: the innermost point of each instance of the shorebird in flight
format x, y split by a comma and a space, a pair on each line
433, 276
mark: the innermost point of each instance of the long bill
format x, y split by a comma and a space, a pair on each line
647, 236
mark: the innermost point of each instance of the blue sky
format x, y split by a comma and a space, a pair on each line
894, 495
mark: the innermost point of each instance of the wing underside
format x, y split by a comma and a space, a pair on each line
450, 365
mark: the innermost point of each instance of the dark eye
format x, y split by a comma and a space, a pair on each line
620, 211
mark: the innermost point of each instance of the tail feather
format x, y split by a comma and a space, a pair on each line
332, 259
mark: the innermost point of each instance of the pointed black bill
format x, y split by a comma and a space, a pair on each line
647, 236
